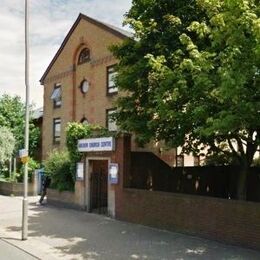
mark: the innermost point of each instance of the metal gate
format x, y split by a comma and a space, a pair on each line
99, 187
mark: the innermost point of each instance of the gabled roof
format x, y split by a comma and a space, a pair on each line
112, 29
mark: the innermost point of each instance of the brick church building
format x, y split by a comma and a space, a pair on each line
78, 86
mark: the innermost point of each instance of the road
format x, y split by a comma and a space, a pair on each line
57, 233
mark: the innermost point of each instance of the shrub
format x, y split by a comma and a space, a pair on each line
58, 167
18, 176
32, 166
7, 144
76, 131
61, 166
4, 171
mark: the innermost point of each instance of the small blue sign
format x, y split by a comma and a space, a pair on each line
113, 173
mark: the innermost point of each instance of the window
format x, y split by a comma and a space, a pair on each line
84, 86
180, 161
56, 130
110, 121
111, 74
84, 56
56, 96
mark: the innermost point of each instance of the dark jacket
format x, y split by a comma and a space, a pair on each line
46, 182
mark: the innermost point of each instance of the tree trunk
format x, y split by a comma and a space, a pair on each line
242, 183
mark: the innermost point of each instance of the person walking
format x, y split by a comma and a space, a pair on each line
45, 184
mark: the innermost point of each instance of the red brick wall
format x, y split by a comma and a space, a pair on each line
234, 222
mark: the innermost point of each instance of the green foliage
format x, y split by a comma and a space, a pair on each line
76, 131
34, 138
7, 144
32, 166
4, 171
193, 75
61, 166
12, 115
146, 68
58, 167
256, 162
220, 159
18, 176
195, 72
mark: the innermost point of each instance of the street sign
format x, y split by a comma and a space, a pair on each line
23, 153
25, 159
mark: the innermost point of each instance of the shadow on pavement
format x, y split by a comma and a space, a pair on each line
89, 236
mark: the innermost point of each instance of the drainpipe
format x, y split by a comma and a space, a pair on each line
85, 180
74, 93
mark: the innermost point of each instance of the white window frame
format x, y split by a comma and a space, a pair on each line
111, 124
56, 132
111, 74
56, 95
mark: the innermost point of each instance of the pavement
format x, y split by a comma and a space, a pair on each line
58, 233
10, 252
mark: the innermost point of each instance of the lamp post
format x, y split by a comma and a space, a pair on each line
26, 142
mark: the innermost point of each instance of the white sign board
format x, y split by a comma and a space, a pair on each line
80, 171
113, 173
96, 144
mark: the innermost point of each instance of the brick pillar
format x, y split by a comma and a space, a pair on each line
127, 160
79, 194
123, 158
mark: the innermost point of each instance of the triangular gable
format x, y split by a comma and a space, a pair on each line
110, 28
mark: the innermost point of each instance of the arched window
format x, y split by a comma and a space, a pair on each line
84, 56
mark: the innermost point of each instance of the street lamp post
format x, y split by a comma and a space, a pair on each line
26, 142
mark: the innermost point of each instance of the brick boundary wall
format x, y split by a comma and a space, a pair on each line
66, 199
230, 221
16, 189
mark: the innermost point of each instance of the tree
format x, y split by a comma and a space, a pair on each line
12, 111
7, 144
192, 76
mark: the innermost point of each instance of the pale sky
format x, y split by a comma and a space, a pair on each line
50, 21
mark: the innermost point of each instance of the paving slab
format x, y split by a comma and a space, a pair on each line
10, 252
58, 233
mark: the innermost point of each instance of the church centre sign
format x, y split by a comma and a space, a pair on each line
96, 144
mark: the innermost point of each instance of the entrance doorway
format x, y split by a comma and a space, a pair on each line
99, 186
